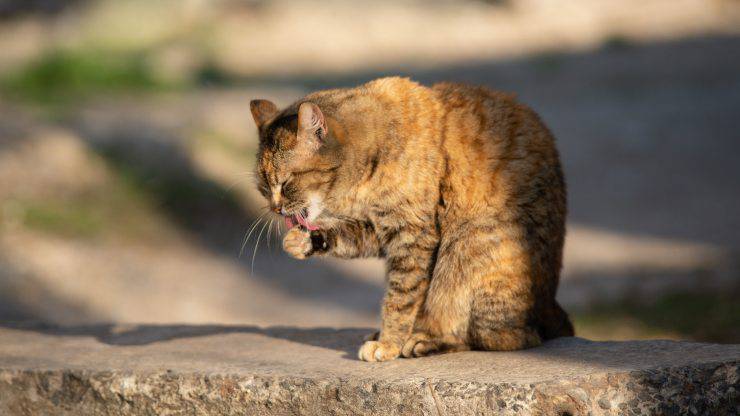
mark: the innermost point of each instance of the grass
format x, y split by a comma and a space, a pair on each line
61, 76
705, 316
67, 218
107, 215
119, 210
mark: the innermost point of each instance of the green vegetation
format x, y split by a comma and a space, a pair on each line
67, 218
116, 213
63, 75
118, 210
710, 317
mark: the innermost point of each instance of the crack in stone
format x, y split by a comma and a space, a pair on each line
437, 404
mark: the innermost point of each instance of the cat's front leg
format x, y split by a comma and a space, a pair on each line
301, 243
350, 239
409, 261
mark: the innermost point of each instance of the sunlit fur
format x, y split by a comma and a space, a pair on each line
459, 188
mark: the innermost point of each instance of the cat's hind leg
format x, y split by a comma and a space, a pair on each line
481, 294
503, 300
422, 344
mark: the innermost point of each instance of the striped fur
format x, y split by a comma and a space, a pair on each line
459, 188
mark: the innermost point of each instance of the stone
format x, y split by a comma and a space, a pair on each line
110, 370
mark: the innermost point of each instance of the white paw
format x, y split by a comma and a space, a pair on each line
378, 351
297, 243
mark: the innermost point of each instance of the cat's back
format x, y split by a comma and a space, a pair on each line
498, 150
476, 113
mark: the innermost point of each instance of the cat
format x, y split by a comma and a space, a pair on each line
459, 189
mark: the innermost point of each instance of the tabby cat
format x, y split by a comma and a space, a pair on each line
459, 188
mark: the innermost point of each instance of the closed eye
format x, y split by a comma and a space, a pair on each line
286, 188
287, 181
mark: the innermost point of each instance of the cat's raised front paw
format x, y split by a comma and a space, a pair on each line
378, 351
297, 243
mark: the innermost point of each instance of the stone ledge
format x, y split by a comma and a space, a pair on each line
275, 371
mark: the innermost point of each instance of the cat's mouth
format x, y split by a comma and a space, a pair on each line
300, 217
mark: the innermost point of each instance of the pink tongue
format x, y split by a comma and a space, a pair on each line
289, 221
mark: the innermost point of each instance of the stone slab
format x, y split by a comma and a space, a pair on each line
162, 370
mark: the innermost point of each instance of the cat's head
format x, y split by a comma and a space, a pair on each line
296, 161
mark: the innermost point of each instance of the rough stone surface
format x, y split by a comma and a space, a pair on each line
274, 371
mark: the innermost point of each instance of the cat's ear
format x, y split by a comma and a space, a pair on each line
262, 110
311, 124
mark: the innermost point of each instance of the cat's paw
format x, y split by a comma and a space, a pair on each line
418, 345
378, 351
297, 243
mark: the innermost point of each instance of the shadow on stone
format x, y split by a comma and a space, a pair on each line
346, 340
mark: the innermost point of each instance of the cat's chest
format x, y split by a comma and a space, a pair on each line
382, 218
388, 211
388, 221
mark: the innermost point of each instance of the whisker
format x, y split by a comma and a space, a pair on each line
242, 177
277, 227
246, 239
255, 223
255, 220
237, 182
269, 232
256, 245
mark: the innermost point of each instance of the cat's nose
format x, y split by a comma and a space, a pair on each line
276, 204
277, 207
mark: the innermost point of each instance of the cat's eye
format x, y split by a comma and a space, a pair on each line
286, 181
264, 190
285, 184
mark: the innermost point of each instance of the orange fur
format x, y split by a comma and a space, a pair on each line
459, 188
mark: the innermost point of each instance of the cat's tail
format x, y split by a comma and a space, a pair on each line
555, 323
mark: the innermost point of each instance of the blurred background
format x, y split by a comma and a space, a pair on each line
126, 144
